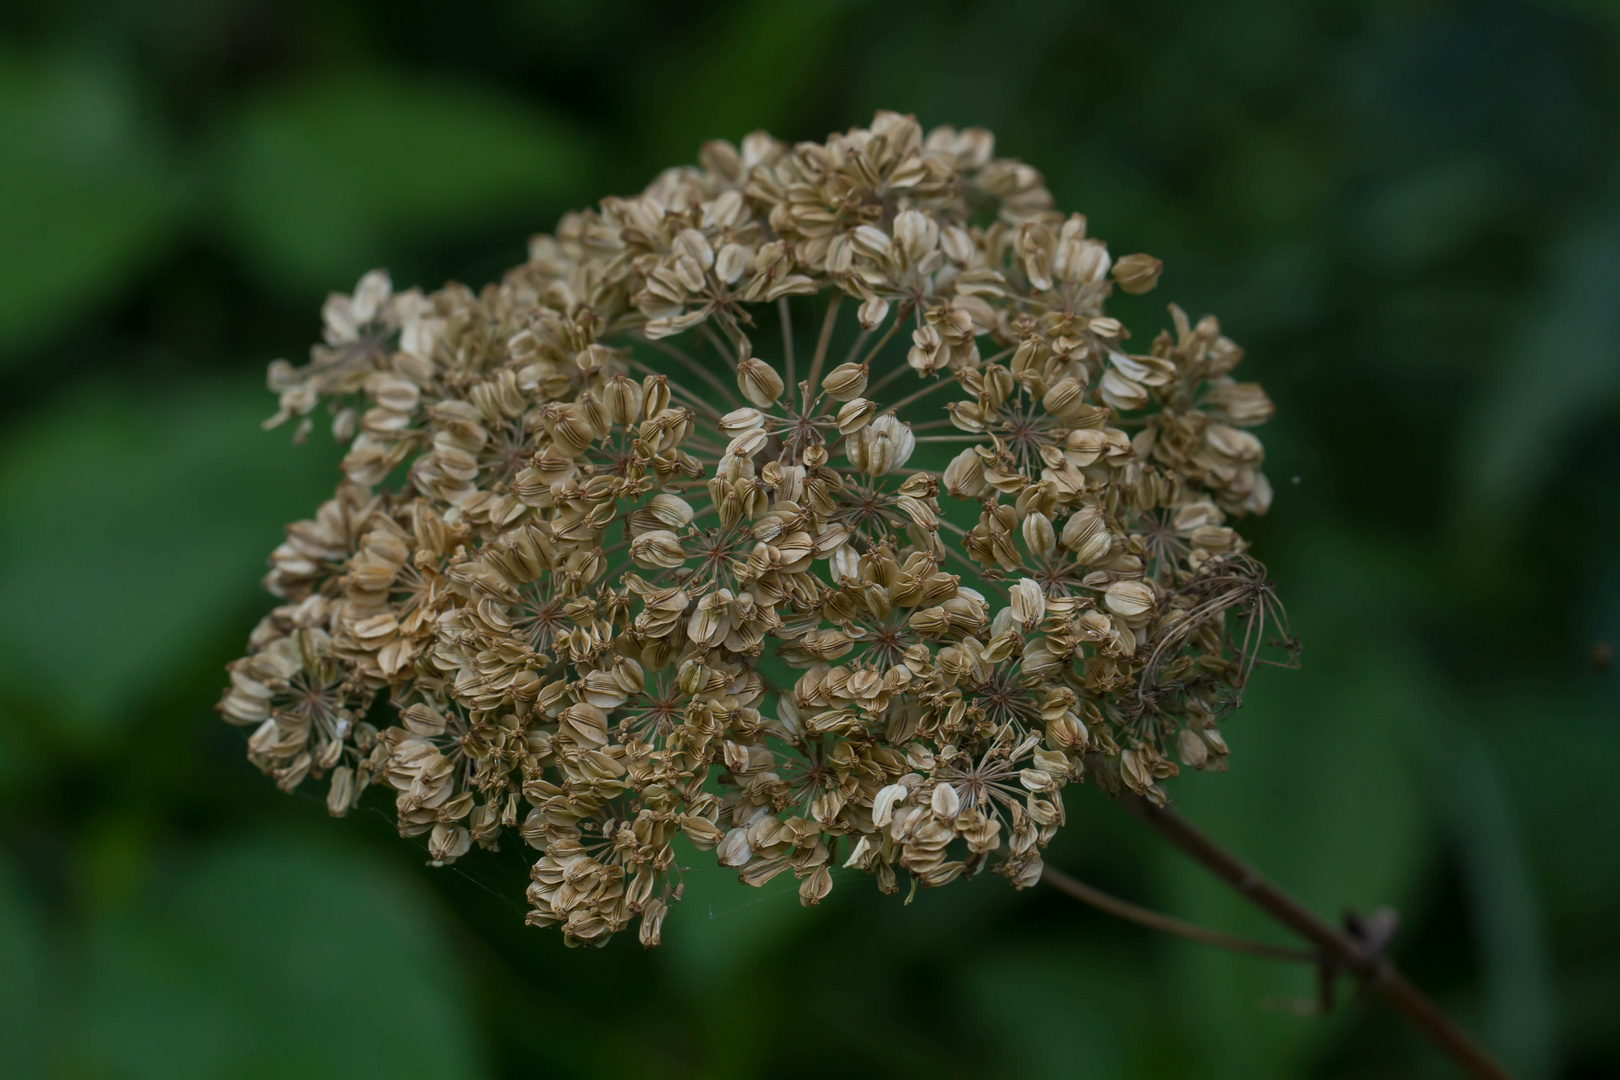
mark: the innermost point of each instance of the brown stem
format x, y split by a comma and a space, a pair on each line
1154, 920
787, 348
1337, 947
969, 563
918, 395
902, 369
719, 346
856, 346
689, 397
822, 342
686, 359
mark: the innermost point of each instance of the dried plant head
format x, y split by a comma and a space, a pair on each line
808, 505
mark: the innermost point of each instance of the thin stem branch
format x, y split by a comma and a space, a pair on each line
787, 348
855, 347
973, 566
1154, 920
700, 443
827, 324
918, 395
1337, 947
696, 368
687, 396
901, 369
719, 345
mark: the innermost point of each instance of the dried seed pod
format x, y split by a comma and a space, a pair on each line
845, 381
759, 382
1137, 273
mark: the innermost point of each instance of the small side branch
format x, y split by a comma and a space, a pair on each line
1154, 920
1339, 950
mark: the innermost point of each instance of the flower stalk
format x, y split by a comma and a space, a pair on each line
1336, 949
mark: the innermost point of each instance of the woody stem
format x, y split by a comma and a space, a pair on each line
1336, 948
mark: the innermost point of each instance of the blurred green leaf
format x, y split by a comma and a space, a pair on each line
325, 179
746, 75
136, 526
1562, 742
87, 190
23, 986
1564, 372
1071, 1009
1518, 1022
964, 65
275, 959
722, 925
1421, 217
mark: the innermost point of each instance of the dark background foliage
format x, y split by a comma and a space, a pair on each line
1407, 212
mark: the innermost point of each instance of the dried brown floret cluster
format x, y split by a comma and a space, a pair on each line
605, 570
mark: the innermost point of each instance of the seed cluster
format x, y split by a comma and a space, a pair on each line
604, 570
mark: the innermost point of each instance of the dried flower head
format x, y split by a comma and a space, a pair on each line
808, 505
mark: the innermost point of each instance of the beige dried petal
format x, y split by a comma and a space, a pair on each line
657, 549
1086, 534
883, 805
916, 233
652, 922
845, 381
814, 889
882, 446
1130, 600
855, 415
448, 843
964, 476
1122, 393
733, 849
858, 854
694, 245
748, 443
622, 397
1137, 273
732, 262
670, 511
1027, 603
738, 421
759, 382
872, 312
340, 796
1066, 398
1039, 535
1194, 750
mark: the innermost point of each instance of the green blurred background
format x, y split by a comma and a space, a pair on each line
1408, 213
